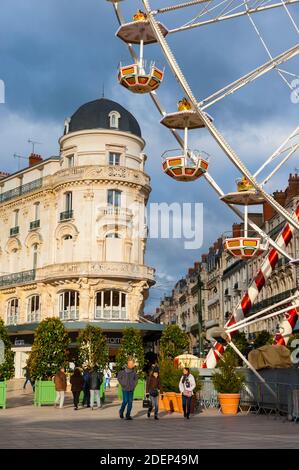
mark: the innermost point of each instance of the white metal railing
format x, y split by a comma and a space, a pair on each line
13, 319
70, 313
114, 313
34, 317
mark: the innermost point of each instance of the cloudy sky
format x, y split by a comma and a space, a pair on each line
57, 54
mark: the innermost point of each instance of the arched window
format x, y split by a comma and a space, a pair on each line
33, 309
111, 305
69, 305
13, 311
35, 255
114, 117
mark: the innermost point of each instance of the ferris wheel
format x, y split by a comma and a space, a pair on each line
188, 164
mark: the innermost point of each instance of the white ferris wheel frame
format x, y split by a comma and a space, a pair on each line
285, 150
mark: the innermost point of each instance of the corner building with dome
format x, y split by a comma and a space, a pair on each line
73, 237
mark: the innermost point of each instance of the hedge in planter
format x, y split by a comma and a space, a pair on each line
93, 349
173, 342
49, 353
7, 368
228, 383
132, 347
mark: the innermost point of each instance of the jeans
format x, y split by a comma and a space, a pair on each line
154, 404
31, 383
107, 383
97, 394
86, 397
76, 396
186, 405
127, 401
60, 399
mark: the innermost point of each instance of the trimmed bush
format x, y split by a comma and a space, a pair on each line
7, 368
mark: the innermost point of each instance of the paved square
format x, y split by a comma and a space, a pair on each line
25, 426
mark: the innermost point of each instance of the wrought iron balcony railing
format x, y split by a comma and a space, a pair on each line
12, 319
70, 313
20, 190
35, 224
66, 215
34, 317
14, 231
17, 278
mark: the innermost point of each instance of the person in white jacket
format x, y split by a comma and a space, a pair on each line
107, 377
187, 385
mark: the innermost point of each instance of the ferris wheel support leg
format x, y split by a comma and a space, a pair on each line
234, 347
208, 124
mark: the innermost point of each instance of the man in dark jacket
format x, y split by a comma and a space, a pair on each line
77, 386
96, 379
128, 380
86, 388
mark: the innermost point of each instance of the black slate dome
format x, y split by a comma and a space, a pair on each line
95, 115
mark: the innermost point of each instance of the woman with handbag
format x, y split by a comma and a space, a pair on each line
186, 386
153, 386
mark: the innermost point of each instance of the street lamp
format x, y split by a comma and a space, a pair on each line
200, 288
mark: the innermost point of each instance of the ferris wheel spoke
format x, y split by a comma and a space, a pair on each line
250, 77
239, 14
231, 154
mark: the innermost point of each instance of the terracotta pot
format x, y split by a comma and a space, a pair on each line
229, 403
164, 402
179, 400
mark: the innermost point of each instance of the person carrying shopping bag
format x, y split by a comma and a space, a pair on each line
153, 387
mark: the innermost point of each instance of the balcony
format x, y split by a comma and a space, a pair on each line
66, 215
70, 313
20, 190
17, 278
14, 231
95, 269
110, 314
35, 225
12, 319
112, 214
34, 317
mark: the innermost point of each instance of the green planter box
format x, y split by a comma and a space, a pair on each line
45, 393
3, 394
102, 394
139, 391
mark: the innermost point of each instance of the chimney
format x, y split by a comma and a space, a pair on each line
293, 187
268, 211
236, 228
34, 159
3, 175
280, 196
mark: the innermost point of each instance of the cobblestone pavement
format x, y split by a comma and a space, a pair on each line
23, 425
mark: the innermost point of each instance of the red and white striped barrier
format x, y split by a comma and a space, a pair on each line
248, 299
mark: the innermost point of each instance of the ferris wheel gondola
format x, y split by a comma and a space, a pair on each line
244, 245
138, 77
189, 165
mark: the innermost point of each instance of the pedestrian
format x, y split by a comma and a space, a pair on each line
77, 383
128, 380
153, 387
186, 386
60, 387
96, 379
27, 378
107, 377
86, 388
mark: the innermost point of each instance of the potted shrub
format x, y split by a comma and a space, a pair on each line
93, 351
6, 363
228, 383
132, 347
49, 353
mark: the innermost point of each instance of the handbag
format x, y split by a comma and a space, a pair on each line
146, 403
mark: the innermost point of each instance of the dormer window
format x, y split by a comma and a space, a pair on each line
114, 117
